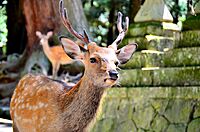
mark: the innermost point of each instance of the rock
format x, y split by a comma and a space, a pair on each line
189, 39
148, 9
161, 77
194, 126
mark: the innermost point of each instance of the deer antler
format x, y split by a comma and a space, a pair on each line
122, 31
67, 24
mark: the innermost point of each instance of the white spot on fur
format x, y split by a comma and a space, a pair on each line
30, 107
27, 105
41, 104
15, 101
19, 107
35, 107
23, 106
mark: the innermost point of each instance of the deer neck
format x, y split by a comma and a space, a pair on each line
82, 109
46, 49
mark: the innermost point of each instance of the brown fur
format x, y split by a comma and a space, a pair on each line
43, 105
66, 111
55, 54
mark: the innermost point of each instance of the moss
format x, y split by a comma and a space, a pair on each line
176, 76
141, 41
137, 61
146, 113
148, 108
127, 126
182, 109
173, 58
145, 24
176, 128
192, 23
161, 77
159, 124
194, 126
189, 39
135, 78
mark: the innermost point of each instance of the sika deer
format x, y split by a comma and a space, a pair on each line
40, 104
55, 54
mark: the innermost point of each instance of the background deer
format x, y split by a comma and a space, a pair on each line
55, 54
43, 105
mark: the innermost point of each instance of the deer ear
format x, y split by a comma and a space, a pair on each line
49, 34
38, 33
125, 53
71, 48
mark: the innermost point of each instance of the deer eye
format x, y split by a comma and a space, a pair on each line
93, 60
116, 63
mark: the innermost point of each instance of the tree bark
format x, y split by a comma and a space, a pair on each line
133, 9
16, 27
25, 17
41, 15
111, 19
77, 16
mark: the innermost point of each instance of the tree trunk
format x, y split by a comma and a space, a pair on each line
111, 19
176, 11
133, 9
38, 15
77, 16
25, 17
16, 27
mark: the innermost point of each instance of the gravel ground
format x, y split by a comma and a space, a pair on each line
5, 128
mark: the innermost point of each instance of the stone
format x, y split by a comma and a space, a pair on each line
176, 76
189, 39
141, 41
146, 113
159, 43
197, 110
182, 109
194, 126
137, 61
179, 57
131, 78
124, 111
176, 128
197, 8
151, 42
127, 126
148, 9
159, 124
161, 77
148, 109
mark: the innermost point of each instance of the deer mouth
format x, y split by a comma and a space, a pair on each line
110, 80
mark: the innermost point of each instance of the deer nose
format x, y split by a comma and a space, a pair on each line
113, 74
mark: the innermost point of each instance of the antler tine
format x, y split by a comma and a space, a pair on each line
67, 24
122, 31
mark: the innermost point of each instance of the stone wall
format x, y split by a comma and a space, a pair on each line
142, 109
160, 85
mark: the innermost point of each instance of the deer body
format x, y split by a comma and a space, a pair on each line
55, 54
53, 108
40, 104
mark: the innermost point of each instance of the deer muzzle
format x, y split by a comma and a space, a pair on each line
113, 74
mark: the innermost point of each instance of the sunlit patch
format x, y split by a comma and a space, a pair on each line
150, 68
152, 52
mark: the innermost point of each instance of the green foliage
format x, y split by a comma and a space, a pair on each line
179, 9
97, 13
3, 27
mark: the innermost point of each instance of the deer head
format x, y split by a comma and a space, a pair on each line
101, 63
44, 38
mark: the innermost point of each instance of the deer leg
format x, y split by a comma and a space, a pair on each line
15, 129
55, 70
